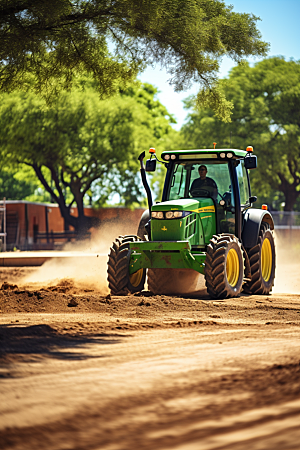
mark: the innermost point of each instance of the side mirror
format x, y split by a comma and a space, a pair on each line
252, 199
150, 165
250, 162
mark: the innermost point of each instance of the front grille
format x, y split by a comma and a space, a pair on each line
190, 226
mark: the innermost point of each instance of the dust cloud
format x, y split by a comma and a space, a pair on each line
85, 263
87, 272
89, 268
287, 279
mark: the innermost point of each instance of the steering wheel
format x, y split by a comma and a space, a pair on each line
199, 192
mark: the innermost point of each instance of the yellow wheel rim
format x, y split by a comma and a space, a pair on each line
136, 278
266, 260
232, 267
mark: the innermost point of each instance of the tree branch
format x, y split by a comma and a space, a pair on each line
42, 179
61, 198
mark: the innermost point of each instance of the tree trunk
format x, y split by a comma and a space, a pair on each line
82, 223
291, 196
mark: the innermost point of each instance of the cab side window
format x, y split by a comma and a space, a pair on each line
178, 183
243, 183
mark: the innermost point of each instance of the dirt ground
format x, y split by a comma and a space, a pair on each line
80, 369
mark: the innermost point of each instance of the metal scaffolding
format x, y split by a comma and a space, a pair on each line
3, 224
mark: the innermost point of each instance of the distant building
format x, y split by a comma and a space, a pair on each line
40, 226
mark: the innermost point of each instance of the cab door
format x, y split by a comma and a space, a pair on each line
241, 192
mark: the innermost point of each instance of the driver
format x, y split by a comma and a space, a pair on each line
205, 182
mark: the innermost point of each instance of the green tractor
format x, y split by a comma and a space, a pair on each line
204, 236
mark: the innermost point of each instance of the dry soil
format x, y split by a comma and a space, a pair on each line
80, 369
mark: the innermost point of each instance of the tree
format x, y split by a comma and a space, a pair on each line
165, 138
80, 141
266, 114
45, 46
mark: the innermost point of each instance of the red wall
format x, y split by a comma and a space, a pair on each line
33, 216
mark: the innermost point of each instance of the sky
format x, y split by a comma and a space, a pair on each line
279, 26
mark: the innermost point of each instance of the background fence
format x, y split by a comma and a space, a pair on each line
286, 220
287, 234
2, 225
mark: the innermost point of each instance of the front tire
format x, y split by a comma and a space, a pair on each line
120, 282
262, 263
224, 266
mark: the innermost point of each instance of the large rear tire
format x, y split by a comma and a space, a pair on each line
224, 266
262, 263
120, 282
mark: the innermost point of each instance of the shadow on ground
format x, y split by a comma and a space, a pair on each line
30, 343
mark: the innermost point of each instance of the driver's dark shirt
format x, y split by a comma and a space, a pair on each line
201, 184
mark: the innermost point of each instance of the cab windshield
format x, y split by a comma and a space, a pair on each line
212, 180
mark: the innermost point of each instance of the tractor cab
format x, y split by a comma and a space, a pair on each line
218, 184
207, 192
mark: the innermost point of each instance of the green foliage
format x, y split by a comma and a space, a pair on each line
16, 184
82, 147
215, 99
46, 45
266, 101
170, 140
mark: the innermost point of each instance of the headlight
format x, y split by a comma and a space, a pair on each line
222, 155
173, 156
157, 215
169, 215
229, 155
177, 214
167, 157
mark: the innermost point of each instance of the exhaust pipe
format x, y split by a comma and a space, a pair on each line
145, 182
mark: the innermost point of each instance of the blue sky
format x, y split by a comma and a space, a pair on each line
279, 26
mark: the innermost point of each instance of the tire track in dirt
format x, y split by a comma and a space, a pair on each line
157, 389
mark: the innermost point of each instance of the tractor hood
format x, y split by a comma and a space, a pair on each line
196, 224
184, 204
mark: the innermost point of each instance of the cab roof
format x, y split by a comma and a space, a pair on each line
205, 153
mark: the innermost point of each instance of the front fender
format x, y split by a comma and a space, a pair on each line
251, 225
143, 221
